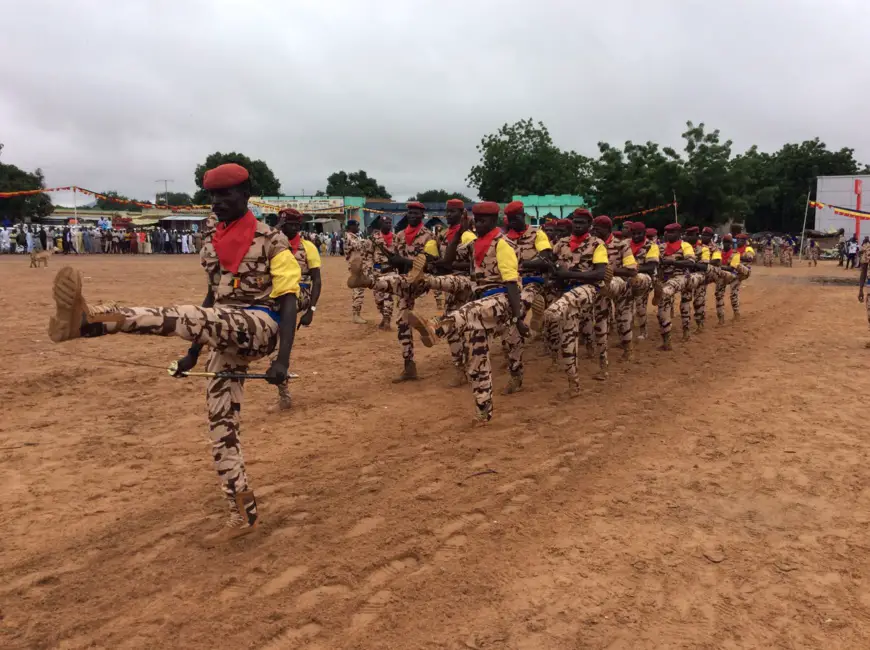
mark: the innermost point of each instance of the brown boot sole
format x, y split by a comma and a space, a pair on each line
424, 329
539, 306
417, 270
357, 279
69, 306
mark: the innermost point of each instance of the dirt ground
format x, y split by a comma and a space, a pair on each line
715, 497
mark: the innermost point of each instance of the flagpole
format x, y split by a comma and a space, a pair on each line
676, 216
804, 229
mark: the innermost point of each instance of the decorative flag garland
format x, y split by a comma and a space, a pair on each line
642, 212
865, 216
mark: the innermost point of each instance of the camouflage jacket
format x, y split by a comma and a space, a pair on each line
352, 242
378, 246
414, 248
487, 275
619, 253
464, 252
684, 252
252, 284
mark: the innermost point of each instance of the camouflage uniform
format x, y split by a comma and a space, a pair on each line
728, 274
864, 258
767, 254
786, 253
563, 318
676, 281
618, 294
353, 243
705, 253
378, 249
479, 319
528, 246
744, 270
242, 327
407, 293
642, 283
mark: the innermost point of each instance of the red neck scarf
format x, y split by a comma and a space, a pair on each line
726, 256
741, 249
609, 239
388, 238
576, 240
411, 233
514, 235
451, 233
231, 241
294, 243
636, 247
673, 247
481, 245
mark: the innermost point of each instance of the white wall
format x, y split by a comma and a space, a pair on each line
839, 191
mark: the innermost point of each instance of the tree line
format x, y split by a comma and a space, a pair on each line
712, 184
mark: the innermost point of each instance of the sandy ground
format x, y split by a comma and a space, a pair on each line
711, 498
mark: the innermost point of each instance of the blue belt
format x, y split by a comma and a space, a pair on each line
532, 279
307, 285
493, 292
271, 312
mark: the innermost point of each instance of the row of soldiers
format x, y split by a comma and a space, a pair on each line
573, 276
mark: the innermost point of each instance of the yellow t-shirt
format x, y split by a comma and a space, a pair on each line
507, 261
735, 260
467, 237
599, 255
705, 253
717, 255
542, 242
312, 254
688, 251
431, 248
285, 273
653, 253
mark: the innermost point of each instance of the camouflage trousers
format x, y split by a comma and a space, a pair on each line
726, 278
677, 284
867, 304
303, 304
407, 294
641, 286
563, 322
687, 298
615, 303
356, 295
700, 295
476, 322
767, 258
236, 337
786, 256
383, 299
459, 291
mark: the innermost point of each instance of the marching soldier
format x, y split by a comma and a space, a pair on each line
697, 277
497, 304
862, 282
729, 270
409, 244
710, 256
581, 267
616, 293
250, 308
308, 258
646, 252
767, 253
353, 243
381, 248
678, 260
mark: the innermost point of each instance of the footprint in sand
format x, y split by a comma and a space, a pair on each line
389, 571
455, 525
282, 580
314, 596
370, 610
364, 526
293, 638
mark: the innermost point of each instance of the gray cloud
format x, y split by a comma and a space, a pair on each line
113, 95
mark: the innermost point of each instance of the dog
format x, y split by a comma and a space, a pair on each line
39, 257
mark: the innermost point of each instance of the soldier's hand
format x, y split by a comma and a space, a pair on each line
277, 373
861, 294
185, 364
523, 329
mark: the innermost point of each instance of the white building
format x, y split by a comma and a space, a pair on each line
840, 191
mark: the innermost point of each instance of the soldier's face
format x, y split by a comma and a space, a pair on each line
672, 235
453, 215
483, 223
601, 231
291, 228
386, 225
637, 236
230, 203
706, 238
727, 244
580, 225
517, 222
415, 217
353, 228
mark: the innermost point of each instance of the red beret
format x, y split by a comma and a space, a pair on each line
652, 232
454, 203
603, 220
290, 214
582, 212
486, 207
637, 226
416, 204
743, 235
618, 234
223, 176
671, 227
692, 230
728, 237
564, 223
707, 230
514, 207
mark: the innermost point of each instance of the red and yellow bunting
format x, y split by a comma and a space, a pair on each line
864, 216
672, 204
9, 195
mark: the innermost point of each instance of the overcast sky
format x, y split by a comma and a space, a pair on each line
115, 94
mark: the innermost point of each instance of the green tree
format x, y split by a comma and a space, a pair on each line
438, 196
118, 204
358, 183
521, 158
174, 198
263, 180
14, 179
